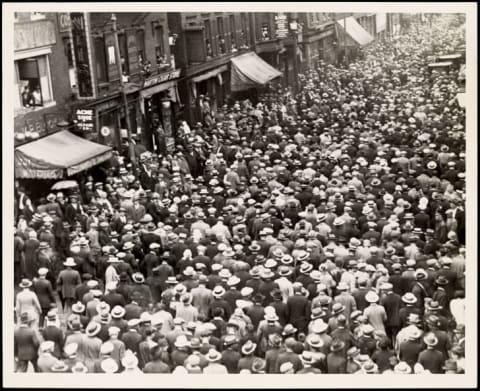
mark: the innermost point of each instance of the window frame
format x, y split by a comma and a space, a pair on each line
208, 38
45, 104
233, 32
221, 36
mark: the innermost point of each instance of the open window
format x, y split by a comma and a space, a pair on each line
33, 82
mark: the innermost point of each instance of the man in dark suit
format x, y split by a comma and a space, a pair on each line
53, 333
298, 309
112, 297
231, 356
68, 279
25, 345
43, 288
133, 309
132, 337
392, 303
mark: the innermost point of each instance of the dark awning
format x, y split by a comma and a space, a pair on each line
58, 155
249, 70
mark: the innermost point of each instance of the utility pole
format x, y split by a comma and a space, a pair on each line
131, 146
294, 28
345, 41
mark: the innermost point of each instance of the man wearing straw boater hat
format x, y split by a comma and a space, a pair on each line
67, 281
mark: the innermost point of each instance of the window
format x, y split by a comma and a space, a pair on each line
122, 43
244, 23
140, 40
265, 31
233, 34
208, 38
33, 82
222, 47
160, 56
100, 60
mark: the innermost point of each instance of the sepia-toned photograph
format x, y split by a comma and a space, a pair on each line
239, 191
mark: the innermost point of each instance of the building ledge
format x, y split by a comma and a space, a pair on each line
27, 110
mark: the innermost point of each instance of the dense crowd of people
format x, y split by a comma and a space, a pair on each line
317, 232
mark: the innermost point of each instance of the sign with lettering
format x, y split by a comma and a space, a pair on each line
37, 122
64, 22
85, 120
80, 49
34, 34
281, 26
161, 78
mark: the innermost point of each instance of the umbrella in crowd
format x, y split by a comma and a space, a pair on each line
64, 185
318, 232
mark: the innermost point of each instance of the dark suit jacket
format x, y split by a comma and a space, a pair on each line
55, 334
132, 339
43, 288
68, 281
230, 359
392, 304
25, 343
132, 311
114, 299
298, 311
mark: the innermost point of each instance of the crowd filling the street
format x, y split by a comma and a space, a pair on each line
317, 231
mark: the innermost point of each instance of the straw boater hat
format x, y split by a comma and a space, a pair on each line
93, 328
25, 283
249, 347
109, 365
60, 366
402, 368
409, 298
218, 291
69, 262
430, 339
118, 312
213, 355
138, 278
371, 297
79, 368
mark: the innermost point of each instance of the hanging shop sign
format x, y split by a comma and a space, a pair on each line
281, 26
161, 78
105, 131
85, 120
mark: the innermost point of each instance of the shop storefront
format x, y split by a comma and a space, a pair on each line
212, 84
160, 105
320, 46
109, 125
351, 36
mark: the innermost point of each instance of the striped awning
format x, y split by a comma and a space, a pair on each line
58, 155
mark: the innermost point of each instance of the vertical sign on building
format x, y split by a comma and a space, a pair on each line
281, 26
80, 49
